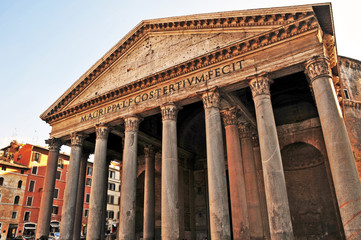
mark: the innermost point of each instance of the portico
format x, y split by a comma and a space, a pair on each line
161, 91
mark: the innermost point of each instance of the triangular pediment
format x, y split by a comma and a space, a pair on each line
156, 45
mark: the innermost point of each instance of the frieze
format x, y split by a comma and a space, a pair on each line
168, 89
300, 26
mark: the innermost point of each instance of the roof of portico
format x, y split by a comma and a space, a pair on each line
275, 25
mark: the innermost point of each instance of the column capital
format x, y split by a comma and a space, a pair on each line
54, 144
316, 67
149, 150
101, 131
169, 111
211, 98
260, 84
131, 123
229, 116
77, 139
246, 130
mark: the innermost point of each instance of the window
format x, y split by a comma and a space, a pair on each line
26, 216
110, 199
110, 214
111, 186
119, 188
111, 174
14, 214
118, 215
86, 212
0, 197
119, 200
31, 186
22, 171
58, 175
55, 210
88, 182
87, 197
34, 170
56, 192
60, 163
20, 183
29, 201
90, 171
36, 157
347, 96
19, 157
3, 168
1, 181
16, 200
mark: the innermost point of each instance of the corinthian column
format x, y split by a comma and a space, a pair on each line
250, 177
129, 180
217, 182
149, 207
80, 195
46, 203
71, 188
100, 168
344, 173
274, 180
237, 187
169, 204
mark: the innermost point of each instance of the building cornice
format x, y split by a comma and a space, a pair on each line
293, 25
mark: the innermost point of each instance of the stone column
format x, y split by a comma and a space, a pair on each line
129, 180
342, 162
169, 192
46, 204
237, 188
100, 168
80, 195
250, 176
149, 191
71, 188
217, 182
105, 206
275, 185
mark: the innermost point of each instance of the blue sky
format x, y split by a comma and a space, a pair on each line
45, 46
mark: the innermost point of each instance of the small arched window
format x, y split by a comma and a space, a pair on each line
20, 183
16, 200
1, 181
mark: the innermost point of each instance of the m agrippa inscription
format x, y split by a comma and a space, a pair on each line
168, 89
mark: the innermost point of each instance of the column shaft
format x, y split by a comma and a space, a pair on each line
71, 188
217, 182
149, 191
250, 176
80, 196
237, 188
275, 185
342, 162
46, 204
169, 192
96, 204
129, 180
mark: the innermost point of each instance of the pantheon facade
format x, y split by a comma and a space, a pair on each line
230, 125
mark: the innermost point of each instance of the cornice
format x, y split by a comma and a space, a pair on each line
305, 22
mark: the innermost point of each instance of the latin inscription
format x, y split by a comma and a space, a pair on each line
156, 93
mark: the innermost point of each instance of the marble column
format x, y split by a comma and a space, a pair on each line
149, 197
217, 182
71, 188
237, 188
46, 204
129, 180
100, 168
105, 196
250, 176
80, 195
275, 185
169, 191
342, 162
